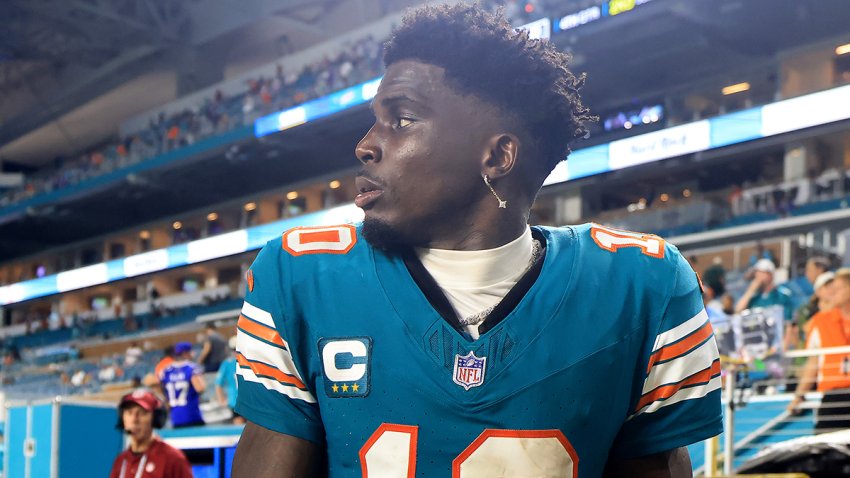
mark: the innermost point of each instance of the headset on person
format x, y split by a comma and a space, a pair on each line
144, 399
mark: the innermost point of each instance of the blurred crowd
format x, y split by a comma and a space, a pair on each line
357, 62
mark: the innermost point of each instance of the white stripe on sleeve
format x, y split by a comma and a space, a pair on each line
258, 315
689, 393
680, 331
254, 349
290, 391
682, 367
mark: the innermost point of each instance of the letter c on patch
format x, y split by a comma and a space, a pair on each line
331, 350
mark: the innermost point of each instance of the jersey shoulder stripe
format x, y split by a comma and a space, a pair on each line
679, 369
260, 331
263, 369
257, 314
264, 356
681, 347
695, 386
256, 373
253, 348
680, 331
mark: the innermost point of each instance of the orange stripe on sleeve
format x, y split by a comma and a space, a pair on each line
269, 371
266, 333
668, 391
681, 347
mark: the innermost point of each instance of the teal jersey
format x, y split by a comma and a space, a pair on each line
606, 351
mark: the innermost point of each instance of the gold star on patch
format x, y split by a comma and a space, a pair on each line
335, 388
344, 387
355, 387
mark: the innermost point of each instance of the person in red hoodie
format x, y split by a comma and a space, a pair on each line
147, 456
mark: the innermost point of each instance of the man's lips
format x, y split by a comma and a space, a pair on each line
368, 192
364, 200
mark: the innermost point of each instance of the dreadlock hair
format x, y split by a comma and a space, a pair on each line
482, 55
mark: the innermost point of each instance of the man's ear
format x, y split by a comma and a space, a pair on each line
501, 155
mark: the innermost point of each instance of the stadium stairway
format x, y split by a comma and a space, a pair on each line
760, 422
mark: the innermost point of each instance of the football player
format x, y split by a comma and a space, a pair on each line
444, 336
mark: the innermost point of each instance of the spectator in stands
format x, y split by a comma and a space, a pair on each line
138, 414
133, 354
225, 383
816, 266
818, 275
214, 349
80, 378
152, 380
831, 372
129, 318
8, 359
735, 199
109, 371
183, 383
823, 291
761, 252
715, 277
763, 291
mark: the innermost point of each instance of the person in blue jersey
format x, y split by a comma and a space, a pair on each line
226, 389
443, 336
182, 382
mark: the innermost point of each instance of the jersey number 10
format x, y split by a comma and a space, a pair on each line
391, 453
612, 240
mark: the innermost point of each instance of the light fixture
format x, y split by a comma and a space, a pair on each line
292, 195
843, 49
212, 216
145, 234
664, 197
686, 193
736, 88
250, 206
177, 225
335, 184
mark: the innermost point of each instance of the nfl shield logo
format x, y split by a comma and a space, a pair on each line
469, 370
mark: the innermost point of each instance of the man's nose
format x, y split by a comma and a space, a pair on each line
367, 149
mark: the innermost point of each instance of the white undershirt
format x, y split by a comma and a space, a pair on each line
475, 281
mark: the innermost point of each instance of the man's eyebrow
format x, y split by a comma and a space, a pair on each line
399, 98
389, 101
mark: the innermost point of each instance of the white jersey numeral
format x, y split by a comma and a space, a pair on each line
613, 239
391, 453
177, 393
320, 240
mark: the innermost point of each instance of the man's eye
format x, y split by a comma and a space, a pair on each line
403, 122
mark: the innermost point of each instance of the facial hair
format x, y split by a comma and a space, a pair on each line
382, 236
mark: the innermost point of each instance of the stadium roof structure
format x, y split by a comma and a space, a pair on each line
71, 70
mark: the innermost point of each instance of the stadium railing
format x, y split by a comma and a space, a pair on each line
758, 426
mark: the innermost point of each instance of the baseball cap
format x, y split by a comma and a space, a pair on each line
764, 265
182, 347
142, 398
824, 279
